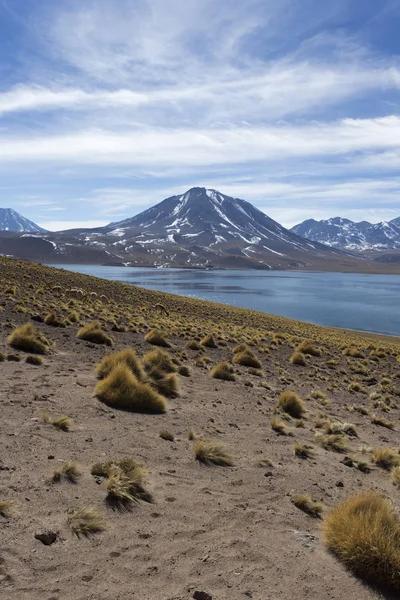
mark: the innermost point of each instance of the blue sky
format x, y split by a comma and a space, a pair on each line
109, 106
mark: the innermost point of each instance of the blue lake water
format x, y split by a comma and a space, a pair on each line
351, 301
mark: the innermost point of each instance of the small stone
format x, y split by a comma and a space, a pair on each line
46, 537
268, 474
339, 483
51, 457
202, 596
347, 462
115, 554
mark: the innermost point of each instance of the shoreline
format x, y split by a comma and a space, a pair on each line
361, 332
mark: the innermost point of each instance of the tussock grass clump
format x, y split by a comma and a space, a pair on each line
13, 358
155, 338
382, 422
304, 451
32, 359
208, 341
334, 442
166, 435
386, 458
290, 403
240, 348
6, 508
73, 317
184, 371
92, 332
306, 504
363, 532
52, 319
307, 347
27, 339
278, 426
63, 422
121, 389
223, 370
353, 352
124, 482
160, 360
127, 357
166, 385
298, 358
193, 345
211, 454
85, 522
336, 427
247, 359
395, 476
69, 472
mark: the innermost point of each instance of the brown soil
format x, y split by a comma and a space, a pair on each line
231, 532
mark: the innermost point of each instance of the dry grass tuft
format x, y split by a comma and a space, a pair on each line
85, 522
247, 359
32, 359
92, 332
52, 319
27, 339
353, 352
6, 508
155, 338
124, 482
290, 403
278, 425
386, 458
63, 422
304, 451
382, 422
69, 472
364, 533
160, 360
121, 389
395, 476
127, 357
298, 358
306, 504
166, 435
223, 370
334, 442
193, 345
184, 371
307, 347
211, 454
208, 341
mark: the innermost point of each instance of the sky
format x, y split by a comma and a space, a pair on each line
109, 106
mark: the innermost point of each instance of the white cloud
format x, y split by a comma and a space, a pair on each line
223, 146
61, 225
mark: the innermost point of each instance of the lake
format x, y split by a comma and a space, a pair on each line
350, 301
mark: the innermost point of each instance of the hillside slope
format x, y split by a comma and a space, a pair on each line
227, 532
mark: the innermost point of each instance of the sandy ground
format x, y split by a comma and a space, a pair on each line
230, 532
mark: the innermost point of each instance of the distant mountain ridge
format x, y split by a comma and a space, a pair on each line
348, 235
10, 220
201, 228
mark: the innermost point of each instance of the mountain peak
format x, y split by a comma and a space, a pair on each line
348, 235
11, 220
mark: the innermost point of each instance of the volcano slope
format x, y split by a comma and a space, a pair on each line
232, 479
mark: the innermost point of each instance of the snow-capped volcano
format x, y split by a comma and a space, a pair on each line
201, 228
204, 227
10, 220
207, 217
348, 235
